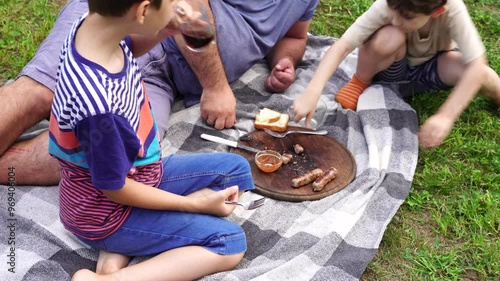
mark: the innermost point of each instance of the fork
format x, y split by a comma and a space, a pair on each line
250, 205
282, 135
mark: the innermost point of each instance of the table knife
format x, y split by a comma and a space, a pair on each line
229, 143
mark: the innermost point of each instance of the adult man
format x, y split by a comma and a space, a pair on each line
247, 31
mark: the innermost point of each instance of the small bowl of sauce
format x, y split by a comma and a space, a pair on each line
268, 161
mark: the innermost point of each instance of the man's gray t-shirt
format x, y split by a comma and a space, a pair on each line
247, 30
259, 25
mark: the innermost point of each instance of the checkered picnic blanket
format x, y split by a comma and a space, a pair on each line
329, 239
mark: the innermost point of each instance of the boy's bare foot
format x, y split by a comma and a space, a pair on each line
87, 275
108, 262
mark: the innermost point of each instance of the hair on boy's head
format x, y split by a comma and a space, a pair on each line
116, 8
405, 7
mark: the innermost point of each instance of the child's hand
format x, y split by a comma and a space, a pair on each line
281, 76
435, 130
213, 203
304, 106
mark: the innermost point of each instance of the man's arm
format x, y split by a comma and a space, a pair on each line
285, 55
292, 46
217, 104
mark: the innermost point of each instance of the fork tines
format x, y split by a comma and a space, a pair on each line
257, 203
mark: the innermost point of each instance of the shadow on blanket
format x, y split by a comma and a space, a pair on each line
330, 239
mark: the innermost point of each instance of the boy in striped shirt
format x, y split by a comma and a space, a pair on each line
116, 192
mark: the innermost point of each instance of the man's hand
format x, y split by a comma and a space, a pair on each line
435, 130
218, 108
281, 76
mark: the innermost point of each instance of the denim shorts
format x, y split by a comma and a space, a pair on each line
420, 78
148, 232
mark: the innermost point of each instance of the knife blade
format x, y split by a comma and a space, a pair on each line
228, 143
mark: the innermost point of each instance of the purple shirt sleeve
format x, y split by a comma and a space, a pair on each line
110, 145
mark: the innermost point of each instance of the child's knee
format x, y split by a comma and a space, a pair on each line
240, 163
450, 67
387, 41
231, 261
236, 259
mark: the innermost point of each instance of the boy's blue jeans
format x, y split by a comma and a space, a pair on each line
147, 232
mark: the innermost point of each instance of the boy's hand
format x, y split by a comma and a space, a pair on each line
435, 130
304, 106
213, 203
281, 76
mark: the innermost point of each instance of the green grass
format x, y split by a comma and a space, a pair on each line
23, 25
449, 226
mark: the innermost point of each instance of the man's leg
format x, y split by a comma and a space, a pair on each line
155, 72
25, 102
32, 162
28, 100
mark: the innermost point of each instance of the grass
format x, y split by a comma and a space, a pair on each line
449, 226
23, 25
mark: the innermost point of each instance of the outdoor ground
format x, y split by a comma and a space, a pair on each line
449, 226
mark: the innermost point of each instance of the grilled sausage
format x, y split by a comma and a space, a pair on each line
298, 148
325, 178
306, 178
286, 158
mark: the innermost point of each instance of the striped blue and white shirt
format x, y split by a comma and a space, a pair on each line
102, 130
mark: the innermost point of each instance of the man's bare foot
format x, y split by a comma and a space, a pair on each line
108, 262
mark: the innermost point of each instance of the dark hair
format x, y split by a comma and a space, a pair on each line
405, 7
116, 8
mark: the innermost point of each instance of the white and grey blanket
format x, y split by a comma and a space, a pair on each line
329, 239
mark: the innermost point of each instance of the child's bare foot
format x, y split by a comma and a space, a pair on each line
108, 262
87, 275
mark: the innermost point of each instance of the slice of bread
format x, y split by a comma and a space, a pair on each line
267, 115
279, 126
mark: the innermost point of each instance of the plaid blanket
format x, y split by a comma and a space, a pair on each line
329, 239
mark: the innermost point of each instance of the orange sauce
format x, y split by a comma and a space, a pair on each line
268, 161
